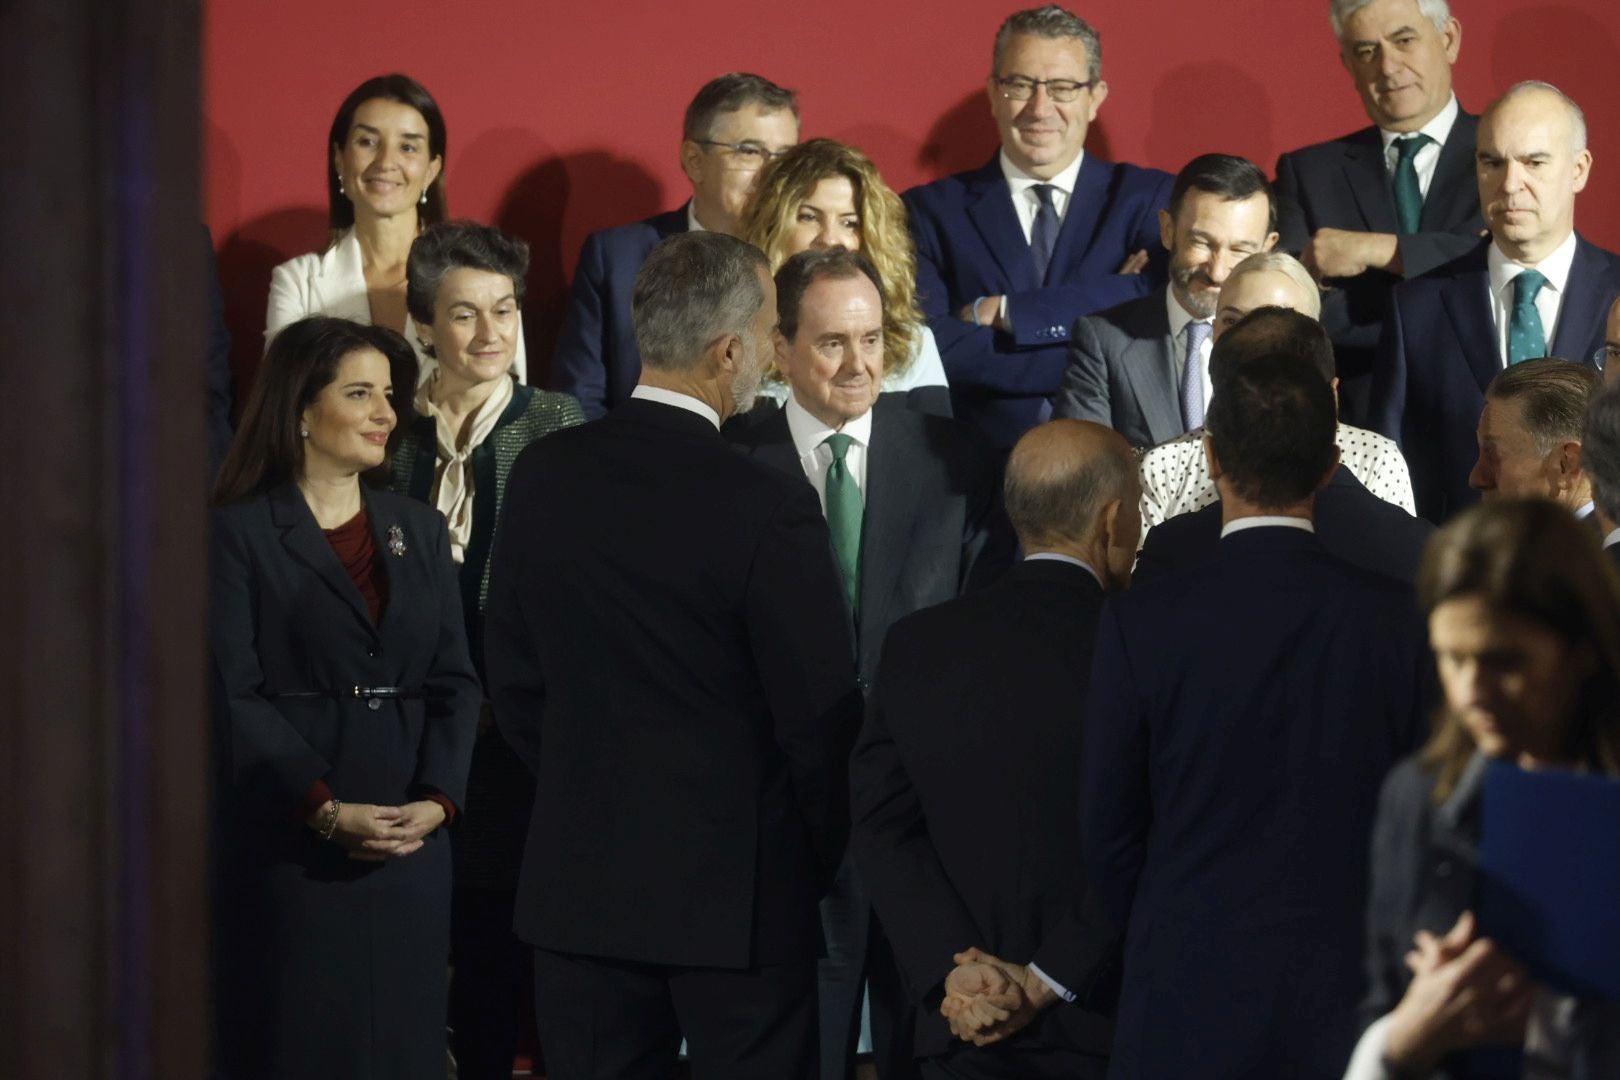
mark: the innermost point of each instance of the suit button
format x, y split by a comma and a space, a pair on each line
374, 703
374, 652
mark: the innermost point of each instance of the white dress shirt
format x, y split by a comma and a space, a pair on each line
677, 399
1267, 521
1612, 539
810, 441
1054, 556
692, 223
1426, 160
1180, 319
1555, 268
1026, 204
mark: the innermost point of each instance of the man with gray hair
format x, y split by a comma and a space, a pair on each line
1390, 201
1011, 254
1600, 455
1530, 435
1532, 289
668, 649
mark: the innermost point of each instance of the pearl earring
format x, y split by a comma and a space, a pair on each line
345, 194
424, 196
303, 433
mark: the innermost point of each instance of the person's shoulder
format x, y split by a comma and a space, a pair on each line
549, 404
1328, 152
1608, 260
1443, 278
1128, 176
950, 189
1408, 786
940, 435
643, 234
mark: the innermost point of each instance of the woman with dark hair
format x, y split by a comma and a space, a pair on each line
384, 184
465, 291
824, 193
1524, 620
345, 711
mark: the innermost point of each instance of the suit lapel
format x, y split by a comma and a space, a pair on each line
1150, 366
891, 507
1584, 306
340, 288
1454, 180
771, 442
989, 207
1081, 220
301, 536
1468, 305
1369, 182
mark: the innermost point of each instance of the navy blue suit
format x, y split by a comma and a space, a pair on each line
596, 359
970, 245
1439, 353
1241, 719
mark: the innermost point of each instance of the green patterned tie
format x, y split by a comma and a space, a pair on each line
1526, 338
844, 512
1408, 193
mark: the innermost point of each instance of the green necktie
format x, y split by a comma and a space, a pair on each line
1526, 338
1408, 193
844, 512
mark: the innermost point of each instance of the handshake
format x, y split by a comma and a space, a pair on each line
987, 999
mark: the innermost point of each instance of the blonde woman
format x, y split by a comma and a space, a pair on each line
824, 193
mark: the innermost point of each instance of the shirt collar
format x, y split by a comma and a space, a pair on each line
809, 433
1585, 511
692, 223
1020, 181
1179, 316
1267, 521
1438, 129
1555, 267
1612, 539
677, 399
1053, 556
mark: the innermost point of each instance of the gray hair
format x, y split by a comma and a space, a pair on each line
693, 289
1050, 22
1577, 118
1600, 450
456, 245
1285, 264
1054, 502
1436, 11
1553, 396
730, 92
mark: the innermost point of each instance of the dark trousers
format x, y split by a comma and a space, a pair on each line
1013, 1062
621, 1020
858, 958
488, 984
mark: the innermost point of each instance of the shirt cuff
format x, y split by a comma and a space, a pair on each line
1001, 312
1057, 988
443, 801
1367, 1062
317, 796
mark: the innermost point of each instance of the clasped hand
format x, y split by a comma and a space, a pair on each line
988, 999
379, 833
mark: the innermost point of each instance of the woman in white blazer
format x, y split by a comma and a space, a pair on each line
385, 185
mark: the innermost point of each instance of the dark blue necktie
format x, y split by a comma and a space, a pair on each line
1043, 235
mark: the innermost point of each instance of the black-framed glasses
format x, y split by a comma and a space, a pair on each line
1022, 88
749, 153
1607, 355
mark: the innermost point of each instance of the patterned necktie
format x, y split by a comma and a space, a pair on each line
1527, 339
1043, 234
844, 512
1408, 193
1192, 376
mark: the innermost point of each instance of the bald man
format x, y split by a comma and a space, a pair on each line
976, 706
1533, 289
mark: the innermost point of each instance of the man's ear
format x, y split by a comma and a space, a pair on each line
1108, 524
691, 160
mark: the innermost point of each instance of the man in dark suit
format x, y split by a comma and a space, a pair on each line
1241, 718
667, 647
1530, 436
912, 506
1009, 255
1142, 368
1352, 522
1600, 454
952, 752
1390, 201
1534, 288
734, 125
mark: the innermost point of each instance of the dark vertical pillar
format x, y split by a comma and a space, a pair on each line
102, 722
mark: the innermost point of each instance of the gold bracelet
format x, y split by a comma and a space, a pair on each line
329, 826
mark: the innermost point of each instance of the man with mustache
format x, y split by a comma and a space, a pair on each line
1534, 288
1142, 368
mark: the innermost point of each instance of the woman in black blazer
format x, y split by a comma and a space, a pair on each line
1524, 619
345, 712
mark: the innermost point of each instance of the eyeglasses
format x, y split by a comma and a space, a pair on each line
751, 155
1022, 88
1605, 356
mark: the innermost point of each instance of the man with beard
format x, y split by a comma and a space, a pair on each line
1142, 368
668, 649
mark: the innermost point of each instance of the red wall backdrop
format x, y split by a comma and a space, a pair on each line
565, 117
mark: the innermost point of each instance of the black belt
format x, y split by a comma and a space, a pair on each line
361, 693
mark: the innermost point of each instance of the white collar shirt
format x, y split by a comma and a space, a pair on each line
1426, 160
1026, 202
1180, 319
1054, 556
678, 400
810, 443
1549, 300
1267, 521
692, 223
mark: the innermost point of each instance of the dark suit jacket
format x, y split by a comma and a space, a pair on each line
1343, 184
933, 526
975, 707
1122, 372
1242, 716
667, 646
969, 245
596, 359
1352, 523
1439, 353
